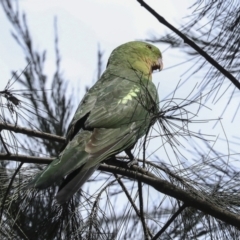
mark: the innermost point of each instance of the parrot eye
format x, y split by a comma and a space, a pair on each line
148, 46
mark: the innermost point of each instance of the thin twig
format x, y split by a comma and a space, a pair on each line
191, 199
144, 145
167, 224
31, 133
4, 144
8, 189
131, 201
192, 44
141, 209
94, 209
26, 159
127, 194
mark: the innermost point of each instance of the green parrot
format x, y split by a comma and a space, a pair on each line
111, 117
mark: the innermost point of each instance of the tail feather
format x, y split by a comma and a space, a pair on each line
70, 159
74, 185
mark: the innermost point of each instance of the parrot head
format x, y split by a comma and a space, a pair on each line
139, 56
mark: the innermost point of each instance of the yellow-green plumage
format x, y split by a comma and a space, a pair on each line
111, 117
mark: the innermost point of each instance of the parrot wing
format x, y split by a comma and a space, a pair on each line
112, 116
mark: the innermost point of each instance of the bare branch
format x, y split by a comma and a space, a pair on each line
169, 222
141, 209
8, 190
192, 44
193, 199
31, 133
131, 201
26, 159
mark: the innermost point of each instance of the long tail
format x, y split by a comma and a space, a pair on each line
71, 158
74, 185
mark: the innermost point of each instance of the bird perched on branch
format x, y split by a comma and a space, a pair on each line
111, 117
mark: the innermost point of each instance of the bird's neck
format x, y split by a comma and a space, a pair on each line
130, 71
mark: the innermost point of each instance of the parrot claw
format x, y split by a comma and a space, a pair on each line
132, 162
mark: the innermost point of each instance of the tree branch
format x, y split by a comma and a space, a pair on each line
31, 133
192, 44
193, 199
167, 224
142, 218
131, 201
26, 159
8, 190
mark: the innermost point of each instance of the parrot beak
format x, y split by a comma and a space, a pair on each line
158, 65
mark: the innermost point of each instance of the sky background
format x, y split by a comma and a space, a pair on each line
85, 25
82, 26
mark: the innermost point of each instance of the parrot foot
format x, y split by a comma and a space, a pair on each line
132, 161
